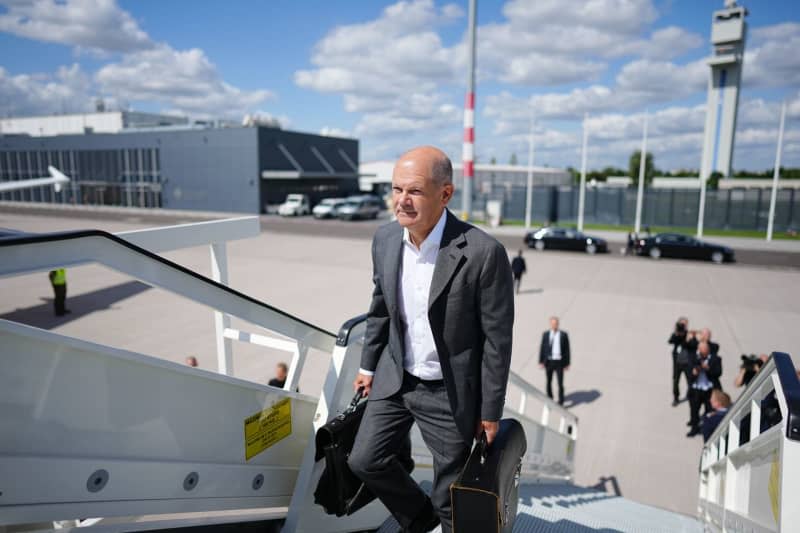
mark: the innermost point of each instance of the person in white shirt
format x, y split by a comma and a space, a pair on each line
437, 348
554, 357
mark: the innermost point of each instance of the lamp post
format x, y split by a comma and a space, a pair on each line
776, 175
640, 192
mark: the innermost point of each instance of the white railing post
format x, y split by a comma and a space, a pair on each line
296, 367
219, 273
523, 400
545, 415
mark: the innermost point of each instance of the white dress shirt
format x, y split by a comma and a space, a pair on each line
414, 287
555, 345
702, 382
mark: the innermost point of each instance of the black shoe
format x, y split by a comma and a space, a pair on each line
674, 402
426, 521
693, 432
690, 423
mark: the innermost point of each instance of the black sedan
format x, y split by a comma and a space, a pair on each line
565, 239
684, 247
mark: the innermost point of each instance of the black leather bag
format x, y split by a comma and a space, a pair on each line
339, 491
485, 495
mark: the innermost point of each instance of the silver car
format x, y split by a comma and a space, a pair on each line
360, 207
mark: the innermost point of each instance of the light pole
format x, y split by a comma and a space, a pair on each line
468, 150
582, 191
642, 164
776, 175
529, 190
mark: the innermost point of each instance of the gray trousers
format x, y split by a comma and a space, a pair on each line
385, 425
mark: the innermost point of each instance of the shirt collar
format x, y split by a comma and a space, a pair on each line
434, 238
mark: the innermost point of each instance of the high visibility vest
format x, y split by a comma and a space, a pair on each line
60, 277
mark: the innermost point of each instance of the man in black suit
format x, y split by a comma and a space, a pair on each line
437, 348
518, 268
554, 357
704, 377
720, 402
679, 366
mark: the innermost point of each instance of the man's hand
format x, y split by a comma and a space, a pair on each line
363, 381
489, 427
541, 365
566, 367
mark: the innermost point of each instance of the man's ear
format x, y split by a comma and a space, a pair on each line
447, 192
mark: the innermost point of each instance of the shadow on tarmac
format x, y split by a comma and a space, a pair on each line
43, 315
582, 396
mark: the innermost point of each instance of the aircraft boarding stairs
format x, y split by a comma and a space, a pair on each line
88, 430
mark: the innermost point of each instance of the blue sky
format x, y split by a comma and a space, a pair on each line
393, 73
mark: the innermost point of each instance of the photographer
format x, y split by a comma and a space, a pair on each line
680, 359
751, 364
704, 376
694, 338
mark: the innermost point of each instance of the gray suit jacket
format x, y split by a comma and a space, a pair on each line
471, 313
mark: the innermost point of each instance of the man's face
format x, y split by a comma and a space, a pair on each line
280, 373
554, 324
703, 350
418, 200
705, 335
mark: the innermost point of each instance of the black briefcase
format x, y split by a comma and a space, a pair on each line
339, 491
485, 495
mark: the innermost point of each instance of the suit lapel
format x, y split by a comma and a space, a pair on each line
391, 269
449, 258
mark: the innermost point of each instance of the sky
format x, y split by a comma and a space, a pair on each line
393, 74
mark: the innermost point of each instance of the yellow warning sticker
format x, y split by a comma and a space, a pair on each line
774, 486
264, 429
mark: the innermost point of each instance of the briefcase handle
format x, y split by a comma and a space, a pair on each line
483, 444
353, 403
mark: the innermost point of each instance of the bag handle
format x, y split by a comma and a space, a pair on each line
354, 402
483, 444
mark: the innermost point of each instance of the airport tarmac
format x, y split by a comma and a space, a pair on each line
618, 312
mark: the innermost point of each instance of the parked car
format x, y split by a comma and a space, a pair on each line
565, 239
328, 208
295, 205
684, 247
361, 207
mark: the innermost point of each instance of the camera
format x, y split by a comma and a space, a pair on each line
751, 362
680, 328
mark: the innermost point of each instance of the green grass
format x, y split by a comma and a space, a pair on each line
708, 232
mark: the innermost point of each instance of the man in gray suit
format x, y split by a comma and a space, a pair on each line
438, 342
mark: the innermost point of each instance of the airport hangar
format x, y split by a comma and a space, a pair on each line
231, 169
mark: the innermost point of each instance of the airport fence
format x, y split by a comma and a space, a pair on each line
734, 209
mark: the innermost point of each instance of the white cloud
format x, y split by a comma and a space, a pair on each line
328, 131
775, 61
183, 80
177, 81
93, 24
667, 43
619, 16
68, 90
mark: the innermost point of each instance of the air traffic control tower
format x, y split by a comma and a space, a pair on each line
728, 31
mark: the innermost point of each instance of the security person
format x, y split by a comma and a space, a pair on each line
58, 279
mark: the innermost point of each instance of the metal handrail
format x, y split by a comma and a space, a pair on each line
21, 254
782, 363
528, 389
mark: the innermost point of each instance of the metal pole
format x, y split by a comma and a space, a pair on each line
222, 321
582, 192
468, 150
529, 190
640, 193
776, 175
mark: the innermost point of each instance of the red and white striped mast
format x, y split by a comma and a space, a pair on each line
468, 158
